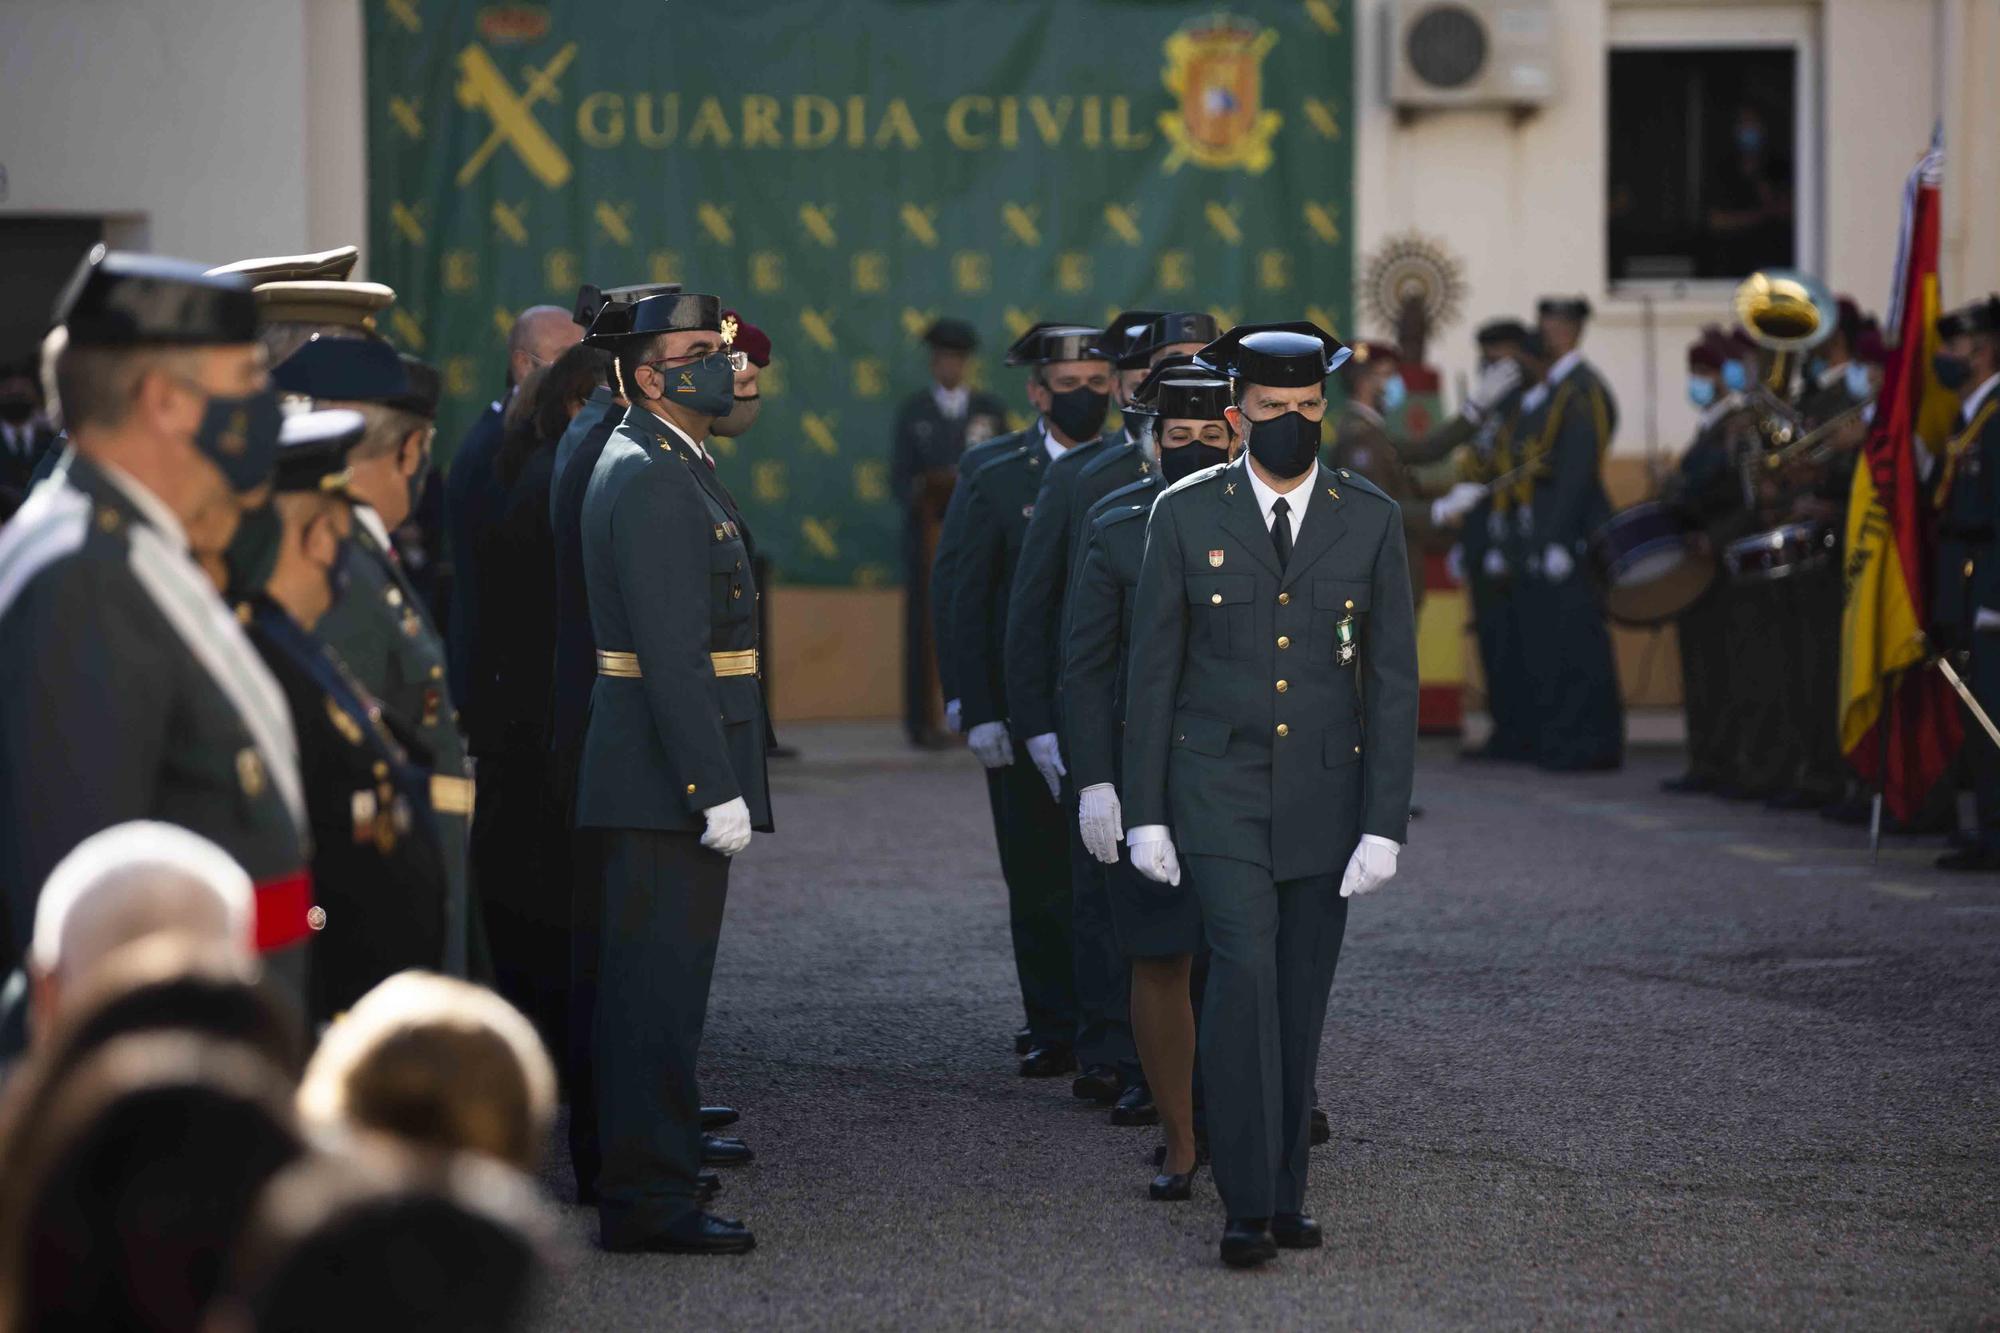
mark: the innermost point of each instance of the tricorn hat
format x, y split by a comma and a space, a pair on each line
345, 370
119, 299
1277, 356
312, 449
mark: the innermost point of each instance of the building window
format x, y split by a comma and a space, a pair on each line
1703, 165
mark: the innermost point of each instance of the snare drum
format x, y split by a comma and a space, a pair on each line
1651, 563
1782, 552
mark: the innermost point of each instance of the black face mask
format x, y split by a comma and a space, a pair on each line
1953, 372
1286, 445
1079, 413
14, 411
1187, 459
253, 552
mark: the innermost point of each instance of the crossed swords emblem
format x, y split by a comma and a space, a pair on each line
482, 86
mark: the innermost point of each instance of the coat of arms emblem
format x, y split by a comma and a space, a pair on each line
1215, 68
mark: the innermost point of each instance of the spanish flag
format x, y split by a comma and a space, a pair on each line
1891, 711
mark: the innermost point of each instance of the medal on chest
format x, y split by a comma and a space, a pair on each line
1344, 636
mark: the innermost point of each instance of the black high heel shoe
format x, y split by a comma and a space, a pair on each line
1174, 1187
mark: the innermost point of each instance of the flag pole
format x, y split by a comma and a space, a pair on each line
1882, 722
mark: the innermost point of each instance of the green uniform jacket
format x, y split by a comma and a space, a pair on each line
380, 629
1244, 730
1360, 443
1034, 604
669, 581
951, 536
1569, 434
110, 715
1098, 642
999, 502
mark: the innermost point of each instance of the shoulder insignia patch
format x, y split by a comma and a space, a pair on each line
349, 729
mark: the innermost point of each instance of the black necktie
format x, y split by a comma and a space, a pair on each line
1281, 530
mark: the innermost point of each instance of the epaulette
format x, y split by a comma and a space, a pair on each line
1110, 457
1006, 456
1123, 513
1194, 479
1353, 481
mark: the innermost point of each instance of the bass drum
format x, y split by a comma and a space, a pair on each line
1782, 552
1651, 563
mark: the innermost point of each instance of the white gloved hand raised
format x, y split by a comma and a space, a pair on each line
1047, 754
1557, 563
1454, 563
1372, 865
953, 721
990, 745
728, 828
1153, 853
1456, 503
1495, 563
1494, 383
1101, 821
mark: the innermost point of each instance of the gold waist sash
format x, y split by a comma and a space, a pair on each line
742, 662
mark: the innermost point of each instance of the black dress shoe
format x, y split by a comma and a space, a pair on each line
1247, 1242
1200, 1151
1688, 784
719, 1151
716, 1117
1174, 1186
704, 1233
1048, 1060
1295, 1231
1321, 1130
1023, 1039
1136, 1107
707, 1184
1099, 1083
1969, 859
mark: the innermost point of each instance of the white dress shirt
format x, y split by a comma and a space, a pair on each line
1977, 399
1049, 444
1298, 498
953, 403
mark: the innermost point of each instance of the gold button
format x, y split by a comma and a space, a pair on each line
690, 789
381, 770
1968, 569
1357, 749
437, 672
316, 918
1284, 685
1284, 640
395, 597
1284, 730
1217, 598
1350, 603
1284, 599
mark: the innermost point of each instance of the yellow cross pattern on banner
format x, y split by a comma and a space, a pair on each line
461, 270
1323, 13
1223, 316
920, 223
767, 480
767, 272
869, 379
1018, 321
663, 266
1123, 219
1323, 117
1319, 315
871, 481
871, 272
1324, 219
714, 220
971, 272
405, 13
482, 86
817, 327
1222, 220
1073, 271
503, 320
819, 534
615, 219
507, 217
409, 332
817, 219
1274, 270
1173, 274
818, 431
408, 221
917, 322
1020, 221
408, 113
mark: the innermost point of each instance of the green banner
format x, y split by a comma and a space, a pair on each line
841, 172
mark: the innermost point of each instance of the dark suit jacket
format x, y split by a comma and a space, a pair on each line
1033, 644
1000, 501
951, 536
472, 499
1097, 644
518, 570
927, 440
670, 581
574, 674
1226, 650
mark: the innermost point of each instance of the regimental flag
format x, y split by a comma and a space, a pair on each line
1889, 550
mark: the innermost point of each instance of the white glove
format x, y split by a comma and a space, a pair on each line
1372, 865
1985, 619
1101, 820
1456, 503
1153, 853
1454, 563
1557, 563
990, 746
1046, 751
1495, 563
1494, 383
728, 829
953, 722
1496, 524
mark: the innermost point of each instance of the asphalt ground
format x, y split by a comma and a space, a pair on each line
1598, 1056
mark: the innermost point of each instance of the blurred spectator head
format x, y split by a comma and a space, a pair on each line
437, 1062
1365, 372
122, 885
1499, 339
541, 333
952, 342
388, 1244
131, 1196
20, 395
1560, 321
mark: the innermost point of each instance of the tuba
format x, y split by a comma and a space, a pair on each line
1787, 313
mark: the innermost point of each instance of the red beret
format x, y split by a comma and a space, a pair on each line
750, 340
1370, 349
1869, 346
1703, 354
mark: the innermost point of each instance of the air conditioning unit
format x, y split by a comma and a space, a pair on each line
1448, 54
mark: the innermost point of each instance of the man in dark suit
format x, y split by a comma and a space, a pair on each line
1270, 735
672, 776
25, 434
934, 427
1967, 599
130, 691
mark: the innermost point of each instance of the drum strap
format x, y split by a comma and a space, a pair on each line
1959, 445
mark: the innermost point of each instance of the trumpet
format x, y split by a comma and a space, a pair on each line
1809, 444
